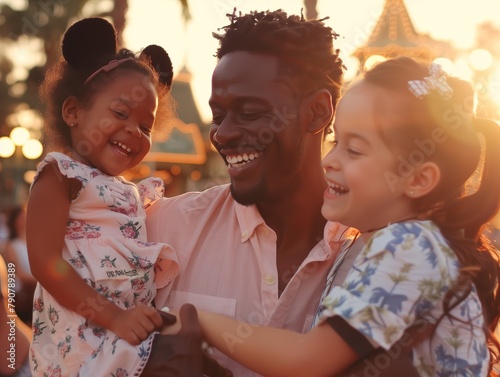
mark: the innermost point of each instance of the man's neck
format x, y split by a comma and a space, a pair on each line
299, 225
298, 210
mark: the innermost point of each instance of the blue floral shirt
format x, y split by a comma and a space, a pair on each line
400, 278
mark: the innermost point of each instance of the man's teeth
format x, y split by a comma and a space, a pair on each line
337, 189
241, 159
122, 146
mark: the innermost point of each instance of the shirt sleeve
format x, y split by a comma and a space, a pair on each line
399, 277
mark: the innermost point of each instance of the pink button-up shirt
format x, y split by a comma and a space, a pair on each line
227, 260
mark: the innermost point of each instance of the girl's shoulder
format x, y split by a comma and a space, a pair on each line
408, 237
405, 230
68, 167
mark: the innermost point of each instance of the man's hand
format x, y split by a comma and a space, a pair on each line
180, 355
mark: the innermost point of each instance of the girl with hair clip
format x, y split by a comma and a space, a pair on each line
97, 274
407, 145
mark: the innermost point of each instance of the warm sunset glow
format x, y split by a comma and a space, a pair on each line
19, 135
480, 59
7, 147
32, 149
373, 60
193, 46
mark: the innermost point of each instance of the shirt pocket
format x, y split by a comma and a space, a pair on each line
213, 304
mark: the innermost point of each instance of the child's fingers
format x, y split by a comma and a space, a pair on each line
143, 330
155, 316
132, 338
168, 319
149, 317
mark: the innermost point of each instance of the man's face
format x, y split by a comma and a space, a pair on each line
256, 125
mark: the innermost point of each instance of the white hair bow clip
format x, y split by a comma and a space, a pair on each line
436, 81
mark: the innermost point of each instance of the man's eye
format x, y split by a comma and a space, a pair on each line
250, 115
217, 119
145, 129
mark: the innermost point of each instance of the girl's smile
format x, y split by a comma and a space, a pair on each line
356, 169
113, 133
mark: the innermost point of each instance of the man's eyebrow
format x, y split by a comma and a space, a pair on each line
239, 100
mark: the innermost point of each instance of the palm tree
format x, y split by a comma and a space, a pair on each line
310, 7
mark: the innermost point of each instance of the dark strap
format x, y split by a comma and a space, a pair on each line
347, 262
394, 362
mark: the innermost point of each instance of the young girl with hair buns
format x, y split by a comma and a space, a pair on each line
86, 231
416, 174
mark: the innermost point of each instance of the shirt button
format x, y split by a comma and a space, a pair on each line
244, 234
269, 279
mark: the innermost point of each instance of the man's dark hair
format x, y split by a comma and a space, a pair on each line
305, 47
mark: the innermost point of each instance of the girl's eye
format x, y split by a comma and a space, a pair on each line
353, 152
120, 114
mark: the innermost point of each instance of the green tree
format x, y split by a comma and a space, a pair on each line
39, 27
34, 31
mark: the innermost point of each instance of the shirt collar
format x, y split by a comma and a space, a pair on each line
334, 235
249, 219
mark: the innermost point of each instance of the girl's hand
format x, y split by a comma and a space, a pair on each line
135, 325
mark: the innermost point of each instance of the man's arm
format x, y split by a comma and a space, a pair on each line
181, 355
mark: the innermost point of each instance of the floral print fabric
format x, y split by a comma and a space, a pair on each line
400, 278
106, 245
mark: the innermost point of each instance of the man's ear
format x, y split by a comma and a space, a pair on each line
319, 110
424, 179
70, 109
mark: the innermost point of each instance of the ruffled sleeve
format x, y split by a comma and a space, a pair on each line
151, 189
68, 168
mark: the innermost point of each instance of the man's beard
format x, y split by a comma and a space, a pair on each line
248, 198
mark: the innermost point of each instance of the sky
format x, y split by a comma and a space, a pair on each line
192, 46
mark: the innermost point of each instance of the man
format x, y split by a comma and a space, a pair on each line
259, 249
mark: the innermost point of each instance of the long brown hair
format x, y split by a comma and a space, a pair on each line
461, 155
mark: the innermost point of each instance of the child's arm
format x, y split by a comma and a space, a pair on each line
47, 217
278, 352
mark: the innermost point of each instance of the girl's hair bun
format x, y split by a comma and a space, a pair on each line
87, 39
160, 62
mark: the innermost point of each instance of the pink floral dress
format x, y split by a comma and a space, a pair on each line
106, 244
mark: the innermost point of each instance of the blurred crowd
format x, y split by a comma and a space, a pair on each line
13, 249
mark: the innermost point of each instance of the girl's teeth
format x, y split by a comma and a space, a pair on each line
338, 190
123, 146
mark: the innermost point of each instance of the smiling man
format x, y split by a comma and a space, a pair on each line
258, 249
